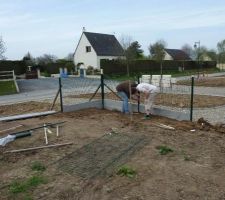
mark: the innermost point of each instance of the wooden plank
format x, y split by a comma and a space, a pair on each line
35, 148
12, 128
163, 126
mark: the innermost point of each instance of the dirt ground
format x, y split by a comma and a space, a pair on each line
206, 82
27, 107
194, 169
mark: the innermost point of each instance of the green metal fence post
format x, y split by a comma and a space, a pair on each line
192, 97
102, 88
60, 93
138, 95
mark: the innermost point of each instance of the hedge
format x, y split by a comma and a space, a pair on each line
18, 66
151, 66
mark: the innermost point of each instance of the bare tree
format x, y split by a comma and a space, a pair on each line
157, 52
2, 49
46, 59
69, 57
212, 54
29, 59
125, 41
188, 50
221, 51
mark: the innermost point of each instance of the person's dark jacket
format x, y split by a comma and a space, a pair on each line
124, 87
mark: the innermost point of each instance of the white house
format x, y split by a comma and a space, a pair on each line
92, 47
175, 54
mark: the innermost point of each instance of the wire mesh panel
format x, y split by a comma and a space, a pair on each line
35, 95
171, 96
102, 155
79, 90
209, 98
110, 89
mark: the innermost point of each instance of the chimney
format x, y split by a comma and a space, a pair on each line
84, 29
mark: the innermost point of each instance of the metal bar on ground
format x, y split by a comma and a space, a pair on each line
25, 116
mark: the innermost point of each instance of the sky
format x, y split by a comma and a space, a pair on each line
55, 26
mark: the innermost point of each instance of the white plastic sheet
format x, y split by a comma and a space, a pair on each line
7, 139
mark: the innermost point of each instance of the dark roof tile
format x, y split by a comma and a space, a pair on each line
177, 54
104, 44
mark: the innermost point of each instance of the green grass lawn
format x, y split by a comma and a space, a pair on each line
7, 87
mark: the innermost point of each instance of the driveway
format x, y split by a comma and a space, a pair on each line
46, 88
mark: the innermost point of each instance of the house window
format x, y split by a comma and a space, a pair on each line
88, 48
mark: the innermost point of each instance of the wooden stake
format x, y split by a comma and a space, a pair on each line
45, 132
57, 130
163, 126
35, 148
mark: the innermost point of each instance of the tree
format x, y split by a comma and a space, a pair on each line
221, 51
28, 59
188, 50
205, 54
157, 52
46, 59
212, 54
2, 48
134, 50
125, 41
69, 57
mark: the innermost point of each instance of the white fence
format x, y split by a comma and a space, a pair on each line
9, 76
164, 81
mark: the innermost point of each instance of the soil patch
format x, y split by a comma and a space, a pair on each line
190, 170
205, 81
27, 107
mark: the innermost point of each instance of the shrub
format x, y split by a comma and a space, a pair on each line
163, 150
37, 166
126, 171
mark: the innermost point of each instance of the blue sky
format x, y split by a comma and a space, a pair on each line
54, 26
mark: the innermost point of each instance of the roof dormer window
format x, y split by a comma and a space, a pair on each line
88, 48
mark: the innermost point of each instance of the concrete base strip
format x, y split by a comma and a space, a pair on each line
25, 116
80, 106
117, 105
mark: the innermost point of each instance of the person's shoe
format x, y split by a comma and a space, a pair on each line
147, 117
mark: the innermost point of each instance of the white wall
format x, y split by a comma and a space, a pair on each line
167, 56
221, 66
81, 56
88, 58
